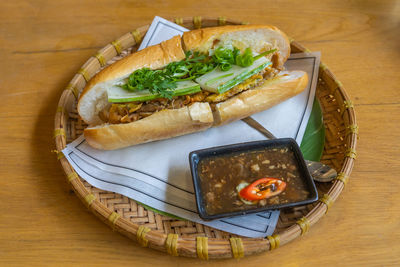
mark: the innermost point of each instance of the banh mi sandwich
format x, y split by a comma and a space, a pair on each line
208, 77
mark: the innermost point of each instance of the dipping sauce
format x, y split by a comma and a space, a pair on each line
221, 174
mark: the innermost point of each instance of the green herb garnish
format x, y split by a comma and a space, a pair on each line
246, 59
225, 57
155, 80
162, 82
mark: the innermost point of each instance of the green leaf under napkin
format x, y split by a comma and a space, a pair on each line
313, 141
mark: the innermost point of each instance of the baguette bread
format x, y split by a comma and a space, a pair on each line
259, 37
199, 115
270, 93
161, 125
94, 96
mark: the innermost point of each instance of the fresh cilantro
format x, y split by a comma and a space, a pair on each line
154, 80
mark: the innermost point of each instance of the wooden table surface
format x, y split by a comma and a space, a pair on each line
43, 43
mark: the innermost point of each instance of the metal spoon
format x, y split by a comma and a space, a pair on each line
320, 172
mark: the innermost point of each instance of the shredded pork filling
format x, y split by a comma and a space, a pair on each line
133, 111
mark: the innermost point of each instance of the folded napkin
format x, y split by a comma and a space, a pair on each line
157, 174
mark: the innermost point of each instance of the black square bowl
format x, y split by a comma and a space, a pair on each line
195, 157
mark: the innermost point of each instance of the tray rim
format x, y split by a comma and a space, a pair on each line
201, 247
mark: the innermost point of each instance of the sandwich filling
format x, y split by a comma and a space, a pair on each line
214, 77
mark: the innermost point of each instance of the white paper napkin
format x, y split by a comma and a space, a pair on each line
158, 174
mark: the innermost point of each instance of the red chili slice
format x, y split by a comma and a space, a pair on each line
263, 188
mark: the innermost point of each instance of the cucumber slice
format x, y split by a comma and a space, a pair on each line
218, 81
240, 78
117, 94
218, 78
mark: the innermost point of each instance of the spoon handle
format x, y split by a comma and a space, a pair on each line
320, 172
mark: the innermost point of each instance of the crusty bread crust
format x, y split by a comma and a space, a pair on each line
203, 39
153, 57
161, 125
249, 102
198, 116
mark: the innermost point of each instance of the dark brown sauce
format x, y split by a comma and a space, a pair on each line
220, 175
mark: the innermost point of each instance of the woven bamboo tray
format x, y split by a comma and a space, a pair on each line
185, 238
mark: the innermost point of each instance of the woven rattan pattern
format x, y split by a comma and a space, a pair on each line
128, 217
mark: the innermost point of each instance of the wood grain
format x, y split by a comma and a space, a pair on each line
42, 43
